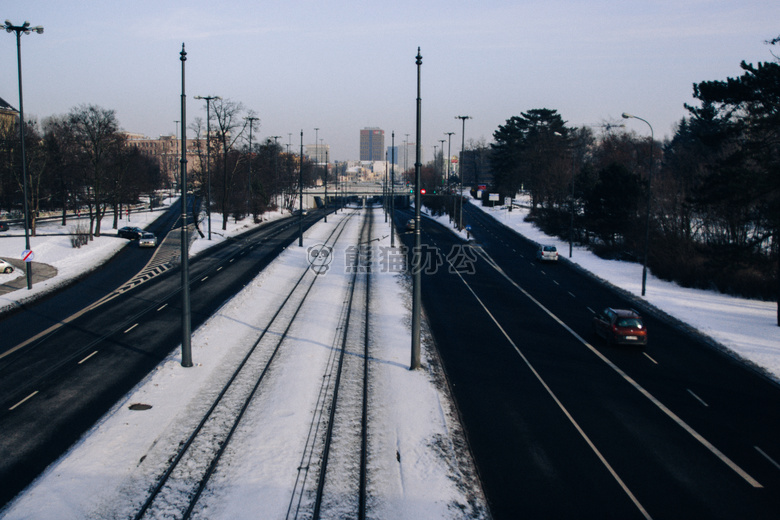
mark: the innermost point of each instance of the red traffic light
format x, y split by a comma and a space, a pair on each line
422, 191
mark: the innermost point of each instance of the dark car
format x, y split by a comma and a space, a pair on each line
620, 326
3, 226
130, 232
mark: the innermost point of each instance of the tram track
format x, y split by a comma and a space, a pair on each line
180, 485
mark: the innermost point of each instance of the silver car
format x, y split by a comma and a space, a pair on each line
547, 254
5, 267
147, 240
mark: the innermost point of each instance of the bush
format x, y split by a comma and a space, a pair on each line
79, 236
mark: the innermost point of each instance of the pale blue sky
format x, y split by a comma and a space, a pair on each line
345, 65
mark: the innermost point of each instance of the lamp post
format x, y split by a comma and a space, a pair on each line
208, 156
26, 29
649, 198
442, 141
392, 191
186, 325
276, 157
251, 120
417, 253
460, 170
300, 188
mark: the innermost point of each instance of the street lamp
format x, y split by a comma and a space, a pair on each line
251, 120
460, 170
208, 155
649, 198
26, 29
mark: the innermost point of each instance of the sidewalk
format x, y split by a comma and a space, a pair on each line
40, 272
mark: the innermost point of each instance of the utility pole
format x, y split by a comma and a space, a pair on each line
300, 188
186, 327
460, 170
417, 253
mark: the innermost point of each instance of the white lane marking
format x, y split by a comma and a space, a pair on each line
697, 397
23, 401
767, 457
204, 278
219, 268
696, 435
86, 358
648, 357
560, 404
161, 308
131, 328
571, 294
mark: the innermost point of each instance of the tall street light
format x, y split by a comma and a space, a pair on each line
417, 252
460, 169
208, 155
251, 120
186, 325
649, 198
26, 29
300, 188
276, 160
449, 152
392, 191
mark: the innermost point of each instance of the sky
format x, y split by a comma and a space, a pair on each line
343, 66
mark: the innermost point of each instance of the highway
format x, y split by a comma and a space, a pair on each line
563, 426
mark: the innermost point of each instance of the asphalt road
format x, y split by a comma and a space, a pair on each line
563, 426
56, 387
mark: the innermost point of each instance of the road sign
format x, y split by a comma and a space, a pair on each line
28, 255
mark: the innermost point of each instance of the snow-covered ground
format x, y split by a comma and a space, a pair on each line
432, 479
418, 465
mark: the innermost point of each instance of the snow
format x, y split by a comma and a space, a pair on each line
108, 470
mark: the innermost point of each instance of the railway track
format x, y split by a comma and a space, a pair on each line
331, 465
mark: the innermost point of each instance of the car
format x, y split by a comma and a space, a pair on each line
410, 224
547, 254
5, 267
130, 232
147, 240
3, 226
620, 326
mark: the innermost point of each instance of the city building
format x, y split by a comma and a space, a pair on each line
372, 144
317, 153
8, 115
167, 151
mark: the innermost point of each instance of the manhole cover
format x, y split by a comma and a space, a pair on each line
140, 406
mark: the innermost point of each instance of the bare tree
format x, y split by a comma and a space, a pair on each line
229, 129
94, 131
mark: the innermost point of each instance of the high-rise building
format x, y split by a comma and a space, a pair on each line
372, 144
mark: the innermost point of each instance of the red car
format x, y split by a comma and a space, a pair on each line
620, 326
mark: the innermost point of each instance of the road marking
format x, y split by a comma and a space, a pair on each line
23, 401
697, 397
571, 294
131, 328
648, 357
86, 358
161, 308
560, 405
204, 278
674, 417
556, 283
219, 268
767, 457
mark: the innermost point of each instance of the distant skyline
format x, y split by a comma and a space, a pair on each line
345, 66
